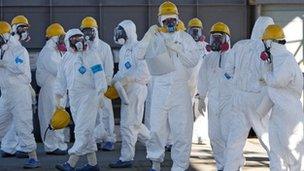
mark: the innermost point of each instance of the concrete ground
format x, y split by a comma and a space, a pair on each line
201, 159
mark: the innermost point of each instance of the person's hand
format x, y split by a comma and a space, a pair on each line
122, 93
116, 78
58, 100
175, 46
145, 41
152, 30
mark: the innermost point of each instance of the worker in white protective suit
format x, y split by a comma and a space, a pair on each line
20, 27
81, 74
245, 69
284, 83
170, 54
16, 102
104, 131
133, 74
211, 84
195, 29
47, 65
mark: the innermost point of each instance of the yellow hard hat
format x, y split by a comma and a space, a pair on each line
167, 8
89, 22
4, 27
61, 119
111, 93
220, 27
20, 19
54, 29
195, 22
273, 32
180, 26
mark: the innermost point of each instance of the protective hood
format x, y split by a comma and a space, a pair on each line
69, 34
52, 42
95, 43
130, 29
260, 26
164, 17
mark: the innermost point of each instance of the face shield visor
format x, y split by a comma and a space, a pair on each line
120, 35
89, 34
219, 42
196, 33
77, 43
23, 32
170, 24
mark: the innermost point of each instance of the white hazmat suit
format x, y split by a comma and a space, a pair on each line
210, 85
284, 87
104, 131
170, 58
47, 66
133, 75
200, 125
82, 74
16, 101
245, 68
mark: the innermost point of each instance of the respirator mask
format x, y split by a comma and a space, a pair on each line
89, 34
120, 35
60, 44
219, 42
196, 33
77, 43
22, 31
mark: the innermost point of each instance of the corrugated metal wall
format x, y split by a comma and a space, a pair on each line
110, 12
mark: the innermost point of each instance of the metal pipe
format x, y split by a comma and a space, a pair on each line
196, 8
258, 10
50, 12
1, 9
100, 30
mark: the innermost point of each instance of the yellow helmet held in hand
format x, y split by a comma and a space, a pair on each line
167, 8
220, 27
60, 119
20, 19
54, 29
89, 22
111, 93
195, 22
5, 27
273, 32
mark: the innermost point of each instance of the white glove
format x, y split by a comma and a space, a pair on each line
122, 93
175, 46
152, 31
58, 100
117, 77
3, 63
33, 93
201, 106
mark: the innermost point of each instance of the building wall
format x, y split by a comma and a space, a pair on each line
109, 13
290, 17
